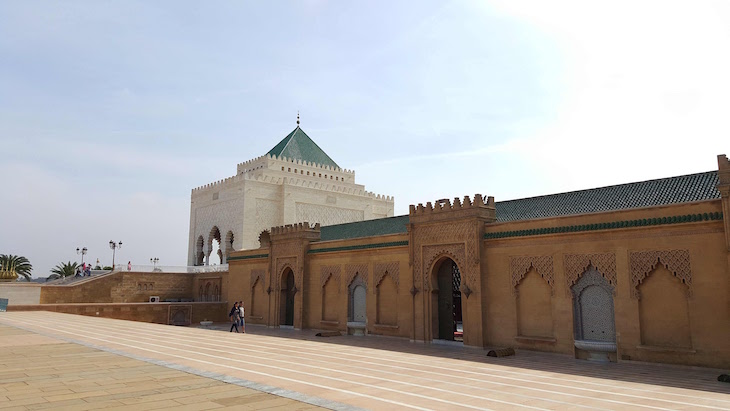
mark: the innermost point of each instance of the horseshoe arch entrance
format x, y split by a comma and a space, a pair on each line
446, 301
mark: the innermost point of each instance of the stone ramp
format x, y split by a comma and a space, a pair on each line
385, 373
40, 372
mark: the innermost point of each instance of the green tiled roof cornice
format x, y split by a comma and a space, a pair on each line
367, 228
644, 222
297, 145
248, 257
359, 247
671, 190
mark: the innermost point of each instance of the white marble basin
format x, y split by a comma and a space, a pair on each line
597, 350
356, 327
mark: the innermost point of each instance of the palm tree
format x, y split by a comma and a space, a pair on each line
16, 264
63, 270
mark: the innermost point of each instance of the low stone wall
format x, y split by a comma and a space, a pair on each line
160, 313
121, 287
21, 293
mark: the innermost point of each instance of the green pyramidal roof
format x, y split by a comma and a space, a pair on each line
299, 146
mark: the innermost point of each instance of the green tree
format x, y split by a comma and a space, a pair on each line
17, 264
63, 270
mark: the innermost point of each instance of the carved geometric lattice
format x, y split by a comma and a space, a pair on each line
456, 252
292, 255
282, 263
325, 215
593, 308
644, 262
179, 314
521, 265
425, 238
393, 270
267, 216
577, 264
258, 275
335, 271
351, 270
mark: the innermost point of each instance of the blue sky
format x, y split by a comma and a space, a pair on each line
111, 112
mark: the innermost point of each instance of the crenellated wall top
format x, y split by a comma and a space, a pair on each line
444, 210
303, 181
251, 165
294, 228
445, 205
219, 184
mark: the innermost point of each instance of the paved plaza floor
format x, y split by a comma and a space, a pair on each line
61, 361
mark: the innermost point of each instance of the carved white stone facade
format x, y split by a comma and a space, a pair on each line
271, 191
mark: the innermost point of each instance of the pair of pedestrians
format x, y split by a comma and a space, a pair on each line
237, 317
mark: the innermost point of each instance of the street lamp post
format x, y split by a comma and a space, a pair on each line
114, 245
154, 262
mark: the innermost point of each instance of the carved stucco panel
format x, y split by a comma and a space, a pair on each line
520, 266
290, 253
351, 270
439, 235
644, 262
335, 271
326, 215
281, 264
577, 264
267, 216
222, 214
456, 252
393, 270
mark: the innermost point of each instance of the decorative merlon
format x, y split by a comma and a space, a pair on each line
219, 183
349, 188
295, 182
293, 161
294, 228
447, 205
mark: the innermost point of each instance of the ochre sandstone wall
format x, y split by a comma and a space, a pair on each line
126, 287
668, 274
663, 319
329, 275
382, 270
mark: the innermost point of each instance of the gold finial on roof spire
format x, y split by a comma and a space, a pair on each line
297, 118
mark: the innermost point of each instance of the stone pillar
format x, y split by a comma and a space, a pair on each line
723, 174
206, 253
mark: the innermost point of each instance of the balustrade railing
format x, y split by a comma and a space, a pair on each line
172, 268
148, 269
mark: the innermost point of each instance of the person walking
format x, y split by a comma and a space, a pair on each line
234, 315
129, 265
242, 313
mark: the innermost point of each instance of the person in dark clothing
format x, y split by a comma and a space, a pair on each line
234, 316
